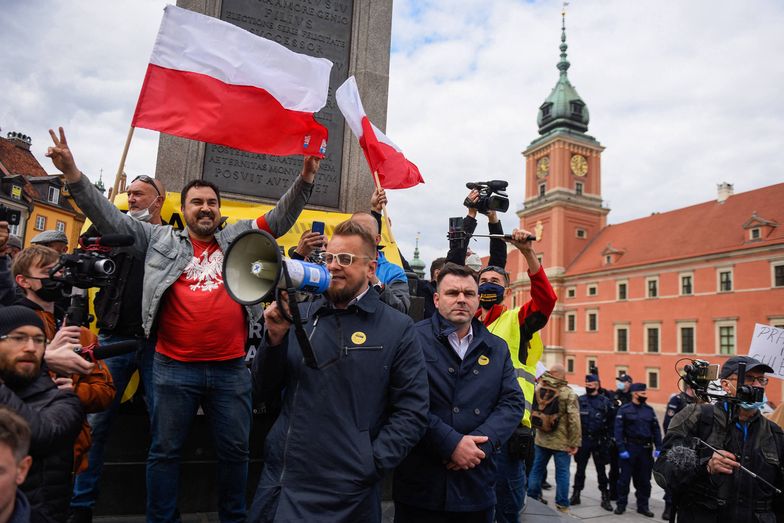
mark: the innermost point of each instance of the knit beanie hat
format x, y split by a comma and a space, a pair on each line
17, 316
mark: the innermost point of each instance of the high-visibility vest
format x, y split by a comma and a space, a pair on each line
507, 327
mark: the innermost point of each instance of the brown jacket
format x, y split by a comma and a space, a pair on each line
95, 390
568, 432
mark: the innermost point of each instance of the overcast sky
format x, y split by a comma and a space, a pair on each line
684, 94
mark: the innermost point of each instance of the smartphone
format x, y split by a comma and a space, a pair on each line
317, 227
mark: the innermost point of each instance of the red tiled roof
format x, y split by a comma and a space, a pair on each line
19, 161
698, 230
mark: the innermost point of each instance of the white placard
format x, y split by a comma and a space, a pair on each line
767, 346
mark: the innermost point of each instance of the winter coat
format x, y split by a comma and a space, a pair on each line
55, 418
345, 424
478, 395
568, 433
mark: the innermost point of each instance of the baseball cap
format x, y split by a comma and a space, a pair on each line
730, 366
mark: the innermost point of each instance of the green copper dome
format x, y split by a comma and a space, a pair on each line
417, 264
563, 109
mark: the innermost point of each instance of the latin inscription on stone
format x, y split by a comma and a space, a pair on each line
312, 27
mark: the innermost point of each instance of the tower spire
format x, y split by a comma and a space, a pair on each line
563, 65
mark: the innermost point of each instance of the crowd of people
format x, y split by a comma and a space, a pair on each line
452, 406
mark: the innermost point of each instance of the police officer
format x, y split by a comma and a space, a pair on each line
637, 434
710, 486
674, 406
596, 420
618, 397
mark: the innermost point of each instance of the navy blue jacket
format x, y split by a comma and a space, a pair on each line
596, 417
636, 424
344, 425
675, 405
478, 395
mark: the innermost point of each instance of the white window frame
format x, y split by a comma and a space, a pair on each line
618, 290
776, 321
588, 320
578, 231
621, 369
652, 325
648, 288
14, 229
682, 275
627, 328
679, 335
572, 315
719, 272
588, 360
773, 266
53, 194
40, 222
717, 335
657, 372
579, 187
755, 230
59, 226
571, 292
593, 286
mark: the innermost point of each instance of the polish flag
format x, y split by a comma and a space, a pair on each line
383, 156
211, 81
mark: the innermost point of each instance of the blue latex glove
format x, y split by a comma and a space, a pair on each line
656, 453
624, 455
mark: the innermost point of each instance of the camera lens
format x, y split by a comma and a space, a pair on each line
104, 267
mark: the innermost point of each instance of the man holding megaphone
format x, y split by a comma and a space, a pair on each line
356, 411
200, 350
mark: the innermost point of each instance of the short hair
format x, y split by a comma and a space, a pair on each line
368, 216
437, 264
457, 270
350, 228
198, 183
35, 255
15, 433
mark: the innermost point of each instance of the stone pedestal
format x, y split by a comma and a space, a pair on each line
317, 28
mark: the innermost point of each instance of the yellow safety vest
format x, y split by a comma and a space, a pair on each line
507, 327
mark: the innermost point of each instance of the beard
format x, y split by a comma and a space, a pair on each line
346, 293
17, 379
198, 228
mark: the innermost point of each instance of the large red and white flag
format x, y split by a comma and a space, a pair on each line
211, 81
383, 156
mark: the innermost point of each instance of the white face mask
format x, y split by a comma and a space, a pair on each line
143, 215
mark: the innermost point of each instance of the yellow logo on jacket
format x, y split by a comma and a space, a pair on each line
483, 360
358, 337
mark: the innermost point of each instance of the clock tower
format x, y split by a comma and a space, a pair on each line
563, 176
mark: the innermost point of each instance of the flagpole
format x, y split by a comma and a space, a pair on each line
121, 167
384, 209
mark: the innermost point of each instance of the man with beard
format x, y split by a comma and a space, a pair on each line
54, 416
355, 413
201, 332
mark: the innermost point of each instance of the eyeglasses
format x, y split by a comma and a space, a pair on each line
344, 259
146, 179
762, 380
22, 339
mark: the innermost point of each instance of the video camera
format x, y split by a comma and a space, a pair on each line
491, 196
9, 215
700, 375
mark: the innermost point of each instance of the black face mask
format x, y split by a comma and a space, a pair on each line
50, 290
593, 392
490, 294
642, 400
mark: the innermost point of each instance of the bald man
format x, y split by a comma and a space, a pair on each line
389, 281
562, 441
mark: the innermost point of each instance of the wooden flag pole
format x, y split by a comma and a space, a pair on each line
121, 167
384, 209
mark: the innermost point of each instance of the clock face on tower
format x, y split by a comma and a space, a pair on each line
579, 165
543, 167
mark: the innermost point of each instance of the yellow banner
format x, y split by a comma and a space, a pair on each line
236, 210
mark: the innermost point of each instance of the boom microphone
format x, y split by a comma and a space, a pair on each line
108, 240
96, 352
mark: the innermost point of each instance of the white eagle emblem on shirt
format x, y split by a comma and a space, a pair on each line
205, 271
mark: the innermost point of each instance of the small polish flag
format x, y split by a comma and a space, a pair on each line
383, 156
212, 81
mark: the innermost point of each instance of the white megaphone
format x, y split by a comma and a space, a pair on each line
253, 268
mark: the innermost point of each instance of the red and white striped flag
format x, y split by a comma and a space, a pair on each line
383, 156
211, 81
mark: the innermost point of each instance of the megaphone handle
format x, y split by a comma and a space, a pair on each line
296, 319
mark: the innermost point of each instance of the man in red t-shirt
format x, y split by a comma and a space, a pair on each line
199, 360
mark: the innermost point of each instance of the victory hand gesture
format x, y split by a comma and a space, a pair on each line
62, 158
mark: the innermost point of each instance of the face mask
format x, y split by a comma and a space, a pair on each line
593, 392
50, 290
490, 294
620, 385
642, 400
144, 215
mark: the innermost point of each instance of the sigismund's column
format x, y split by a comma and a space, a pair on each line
355, 35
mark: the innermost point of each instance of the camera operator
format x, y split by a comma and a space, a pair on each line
458, 252
118, 309
91, 382
676, 404
707, 485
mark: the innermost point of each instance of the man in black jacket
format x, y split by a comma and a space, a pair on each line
706, 484
355, 413
54, 416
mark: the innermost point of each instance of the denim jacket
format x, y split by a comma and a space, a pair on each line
168, 251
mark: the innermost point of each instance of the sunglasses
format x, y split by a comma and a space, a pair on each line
344, 259
146, 179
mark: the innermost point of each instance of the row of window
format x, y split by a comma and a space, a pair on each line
578, 188
40, 224
724, 283
651, 374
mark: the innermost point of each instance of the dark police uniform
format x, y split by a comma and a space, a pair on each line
596, 419
617, 398
636, 432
